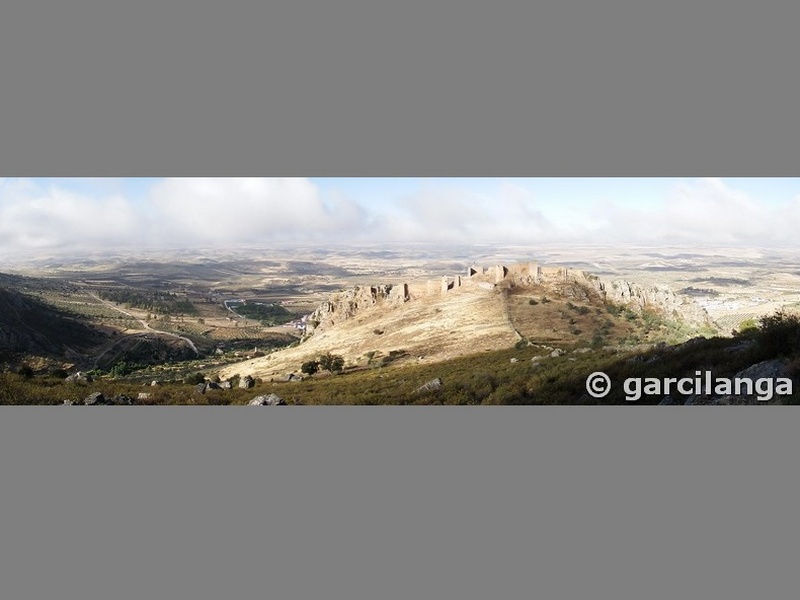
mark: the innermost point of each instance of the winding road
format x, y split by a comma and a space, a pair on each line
144, 323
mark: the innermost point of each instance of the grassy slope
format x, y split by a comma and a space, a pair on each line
484, 378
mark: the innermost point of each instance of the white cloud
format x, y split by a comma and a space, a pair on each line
231, 210
704, 212
34, 217
194, 212
456, 215
180, 212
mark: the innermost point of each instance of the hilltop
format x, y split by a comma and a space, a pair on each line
485, 309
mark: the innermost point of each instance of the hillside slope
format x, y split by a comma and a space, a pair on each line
30, 326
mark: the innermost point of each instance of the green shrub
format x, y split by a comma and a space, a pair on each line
332, 362
748, 325
779, 334
196, 378
310, 367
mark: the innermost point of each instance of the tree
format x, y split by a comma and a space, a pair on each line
332, 362
310, 367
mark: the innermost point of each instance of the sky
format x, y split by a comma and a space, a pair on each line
74, 215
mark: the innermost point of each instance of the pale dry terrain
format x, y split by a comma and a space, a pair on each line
430, 327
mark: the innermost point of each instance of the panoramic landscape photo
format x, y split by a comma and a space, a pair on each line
399, 291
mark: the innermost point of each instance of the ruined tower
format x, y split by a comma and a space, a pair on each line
535, 272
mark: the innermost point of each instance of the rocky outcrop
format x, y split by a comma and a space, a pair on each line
346, 304
638, 298
632, 294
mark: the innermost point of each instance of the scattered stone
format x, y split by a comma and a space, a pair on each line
225, 385
154, 383
431, 386
270, 400
79, 378
201, 387
556, 353
94, 399
246, 382
211, 385
513, 360
143, 396
68, 403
